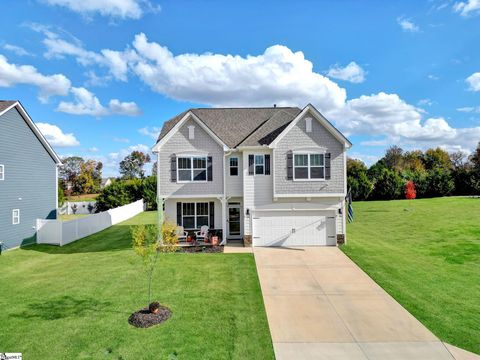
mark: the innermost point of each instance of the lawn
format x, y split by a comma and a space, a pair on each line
84, 197
73, 302
426, 254
68, 217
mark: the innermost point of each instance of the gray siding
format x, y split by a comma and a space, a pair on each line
234, 183
30, 180
178, 144
296, 139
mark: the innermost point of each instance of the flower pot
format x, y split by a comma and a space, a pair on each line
214, 240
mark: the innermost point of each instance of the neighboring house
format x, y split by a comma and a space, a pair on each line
106, 182
28, 176
272, 176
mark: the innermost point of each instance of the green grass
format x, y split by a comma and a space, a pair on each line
84, 197
65, 217
73, 302
426, 254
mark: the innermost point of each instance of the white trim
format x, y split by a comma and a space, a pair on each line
56, 192
2, 172
215, 196
191, 157
35, 130
324, 195
333, 209
195, 214
176, 128
240, 231
334, 131
15, 217
255, 164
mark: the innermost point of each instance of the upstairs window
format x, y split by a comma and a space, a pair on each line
259, 164
233, 166
2, 172
16, 216
192, 168
309, 167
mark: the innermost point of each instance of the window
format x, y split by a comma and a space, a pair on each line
195, 215
2, 172
233, 166
192, 168
259, 164
16, 216
309, 167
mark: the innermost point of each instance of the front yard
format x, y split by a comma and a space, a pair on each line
426, 254
73, 302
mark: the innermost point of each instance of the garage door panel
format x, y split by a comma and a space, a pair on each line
300, 228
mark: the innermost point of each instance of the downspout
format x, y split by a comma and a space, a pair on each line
224, 198
160, 215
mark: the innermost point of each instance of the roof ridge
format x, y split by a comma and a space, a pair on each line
254, 130
246, 108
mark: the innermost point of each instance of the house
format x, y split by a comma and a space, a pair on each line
106, 182
270, 176
28, 176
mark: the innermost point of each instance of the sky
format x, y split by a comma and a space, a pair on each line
99, 77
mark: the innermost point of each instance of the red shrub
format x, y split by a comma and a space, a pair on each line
410, 192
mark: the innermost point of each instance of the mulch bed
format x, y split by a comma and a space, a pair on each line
201, 249
144, 318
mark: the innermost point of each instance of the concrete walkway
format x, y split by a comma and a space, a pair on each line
320, 305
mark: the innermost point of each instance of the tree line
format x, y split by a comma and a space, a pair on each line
433, 173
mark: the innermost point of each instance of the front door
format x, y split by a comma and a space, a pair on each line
234, 221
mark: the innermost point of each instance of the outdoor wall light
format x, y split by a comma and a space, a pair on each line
248, 212
340, 211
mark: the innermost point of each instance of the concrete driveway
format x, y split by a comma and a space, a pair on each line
320, 305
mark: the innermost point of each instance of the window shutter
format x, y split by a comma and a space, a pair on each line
267, 164
212, 214
173, 168
327, 166
251, 165
209, 169
289, 165
179, 214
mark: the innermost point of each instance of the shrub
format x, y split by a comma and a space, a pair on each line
61, 196
440, 182
360, 186
121, 193
149, 192
410, 192
388, 185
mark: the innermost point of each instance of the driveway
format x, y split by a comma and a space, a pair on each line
320, 305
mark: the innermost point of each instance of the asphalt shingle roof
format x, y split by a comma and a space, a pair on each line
241, 126
5, 104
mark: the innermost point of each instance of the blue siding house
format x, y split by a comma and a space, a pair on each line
28, 176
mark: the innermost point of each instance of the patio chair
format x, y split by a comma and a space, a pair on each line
203, 233
181, 233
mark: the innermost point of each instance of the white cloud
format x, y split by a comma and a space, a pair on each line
407, 24
423, 102
474, 81
18, 50
56, 137
467, 8
152, 132
121, 140
469, 109
401, 123
48, 85
352, 72
432, 77
93, 149
123, 9
86, 103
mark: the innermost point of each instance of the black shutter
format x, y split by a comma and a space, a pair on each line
251, 164
211, 204
173, 168
267, 164
327, 166
179, 214
209, 169
289, 165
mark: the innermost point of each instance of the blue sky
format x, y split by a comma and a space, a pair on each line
100, 77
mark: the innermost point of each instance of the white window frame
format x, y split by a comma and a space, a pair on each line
15, 216
195, 213
2, 172
191, 157
308, 153
230, 166
255, 164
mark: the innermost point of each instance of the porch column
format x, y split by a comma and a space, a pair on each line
224, 220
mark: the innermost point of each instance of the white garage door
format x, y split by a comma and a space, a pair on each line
293, 228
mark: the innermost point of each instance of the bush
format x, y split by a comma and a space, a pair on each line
123, 192
360, 186
440, 182
61, 196
149, 192
388, 186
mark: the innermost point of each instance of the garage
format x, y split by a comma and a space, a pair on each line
293, 228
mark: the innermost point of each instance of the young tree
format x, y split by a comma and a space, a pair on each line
69, 173
410, 192
131, 166
90, 176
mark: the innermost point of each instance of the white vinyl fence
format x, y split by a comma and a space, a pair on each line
59, 232
77, 207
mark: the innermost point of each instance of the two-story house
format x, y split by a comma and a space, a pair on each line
270, 176
28, 176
